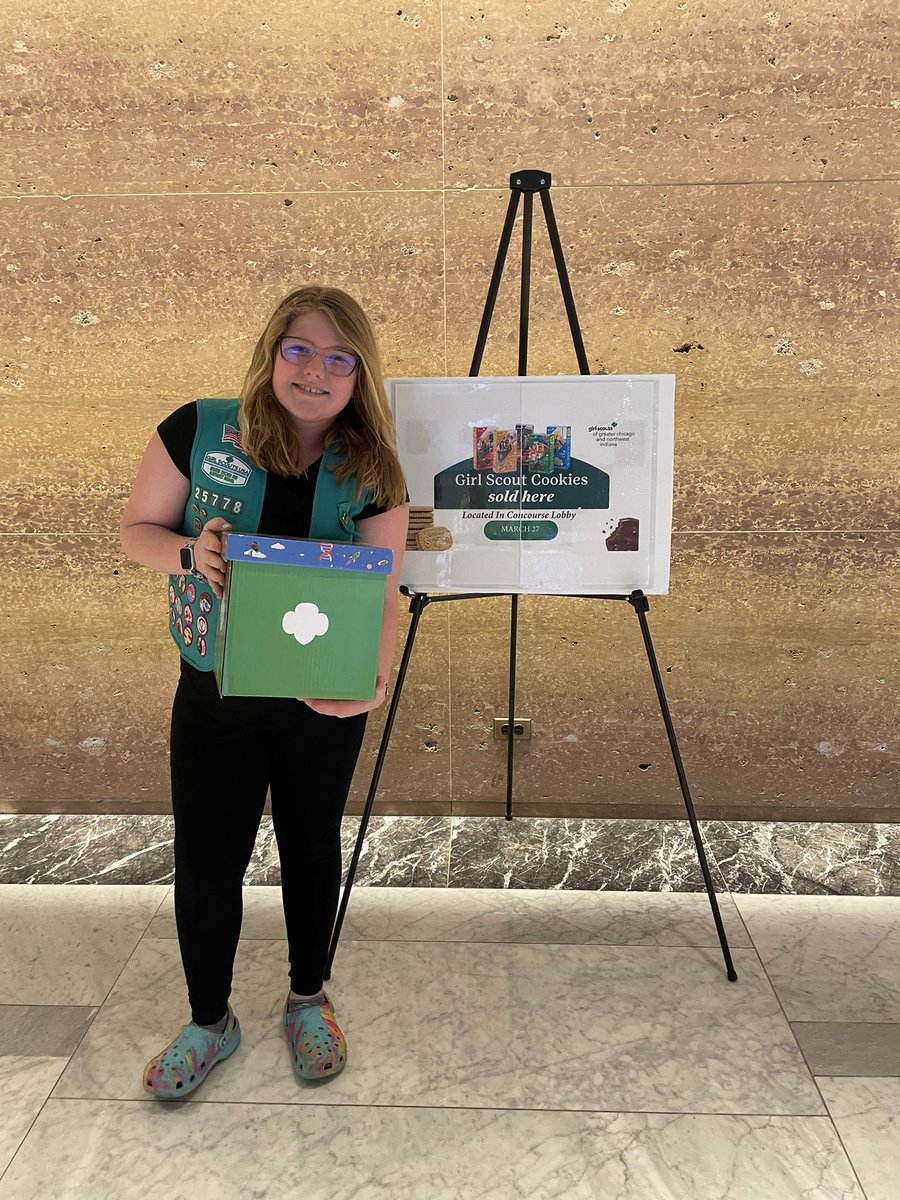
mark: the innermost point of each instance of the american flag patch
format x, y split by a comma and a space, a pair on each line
232, 435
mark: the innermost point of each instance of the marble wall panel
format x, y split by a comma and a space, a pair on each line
620, 92
205, 97
90, 672
725, 182
124, 310
778, 655
85, 714
145, 295
722, 285
773, 307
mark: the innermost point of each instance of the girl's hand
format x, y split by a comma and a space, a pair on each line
349, 708
208, 553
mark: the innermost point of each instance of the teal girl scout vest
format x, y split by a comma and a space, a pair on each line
225, 484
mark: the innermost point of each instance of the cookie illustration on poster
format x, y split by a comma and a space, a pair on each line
625, 535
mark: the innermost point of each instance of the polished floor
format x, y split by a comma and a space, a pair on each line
503, 1044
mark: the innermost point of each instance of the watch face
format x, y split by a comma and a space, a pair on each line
187, 558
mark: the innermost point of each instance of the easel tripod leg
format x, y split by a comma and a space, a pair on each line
417, 607
494, 286
641, 605
511, 703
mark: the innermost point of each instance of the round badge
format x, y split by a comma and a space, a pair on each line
198, 526
181, 583
202, 625
191, 593
171, 594
188, 635
201, 646
188, 615
179, 626
178, 605
205, 602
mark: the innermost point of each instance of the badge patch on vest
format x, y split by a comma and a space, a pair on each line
226, 469
232, 435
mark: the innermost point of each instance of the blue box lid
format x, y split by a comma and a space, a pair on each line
295, 552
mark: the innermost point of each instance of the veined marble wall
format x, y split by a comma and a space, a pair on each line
726, 186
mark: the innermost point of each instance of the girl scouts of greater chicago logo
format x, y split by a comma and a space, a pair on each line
226, 469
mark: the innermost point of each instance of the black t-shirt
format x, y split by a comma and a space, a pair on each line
288, 499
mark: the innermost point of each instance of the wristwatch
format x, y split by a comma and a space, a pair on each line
186, 556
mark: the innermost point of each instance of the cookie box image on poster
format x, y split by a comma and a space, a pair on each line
545, 485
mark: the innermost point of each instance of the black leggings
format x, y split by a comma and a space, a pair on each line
225, 754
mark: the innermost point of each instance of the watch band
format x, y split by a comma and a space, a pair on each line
186, 558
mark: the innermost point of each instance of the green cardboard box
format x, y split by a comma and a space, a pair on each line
300, 618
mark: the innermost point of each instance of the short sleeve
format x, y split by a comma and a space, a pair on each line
177, 432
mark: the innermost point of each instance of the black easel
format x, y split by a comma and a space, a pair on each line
524, 184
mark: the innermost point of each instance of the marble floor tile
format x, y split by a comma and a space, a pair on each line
555, 852
84, 1150
386, 914
655, 1029
804, 858
43, 1030
557, 917
25, 1084
866, 1113
69, 944
829, 958
849, 1049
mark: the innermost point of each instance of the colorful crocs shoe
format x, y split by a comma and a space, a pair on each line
316, 1041
185, 1063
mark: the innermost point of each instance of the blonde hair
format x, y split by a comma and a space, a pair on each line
364, 429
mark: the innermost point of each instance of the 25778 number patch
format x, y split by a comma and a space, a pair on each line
224, 503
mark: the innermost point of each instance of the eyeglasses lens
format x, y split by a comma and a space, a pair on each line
336, 362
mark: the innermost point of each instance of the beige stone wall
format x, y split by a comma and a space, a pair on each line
726, 186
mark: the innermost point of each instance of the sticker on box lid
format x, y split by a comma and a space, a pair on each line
296, 552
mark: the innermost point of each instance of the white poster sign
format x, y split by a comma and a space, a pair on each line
558, 485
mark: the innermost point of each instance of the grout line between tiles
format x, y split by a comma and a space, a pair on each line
301, 1105
327, 193
443, 167
889, 1024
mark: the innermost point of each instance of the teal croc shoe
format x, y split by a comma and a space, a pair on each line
317, 1045
185, 1063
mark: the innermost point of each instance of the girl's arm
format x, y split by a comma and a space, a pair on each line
150, 524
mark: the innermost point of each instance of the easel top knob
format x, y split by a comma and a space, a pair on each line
529, 181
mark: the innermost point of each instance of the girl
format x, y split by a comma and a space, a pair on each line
307, 451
